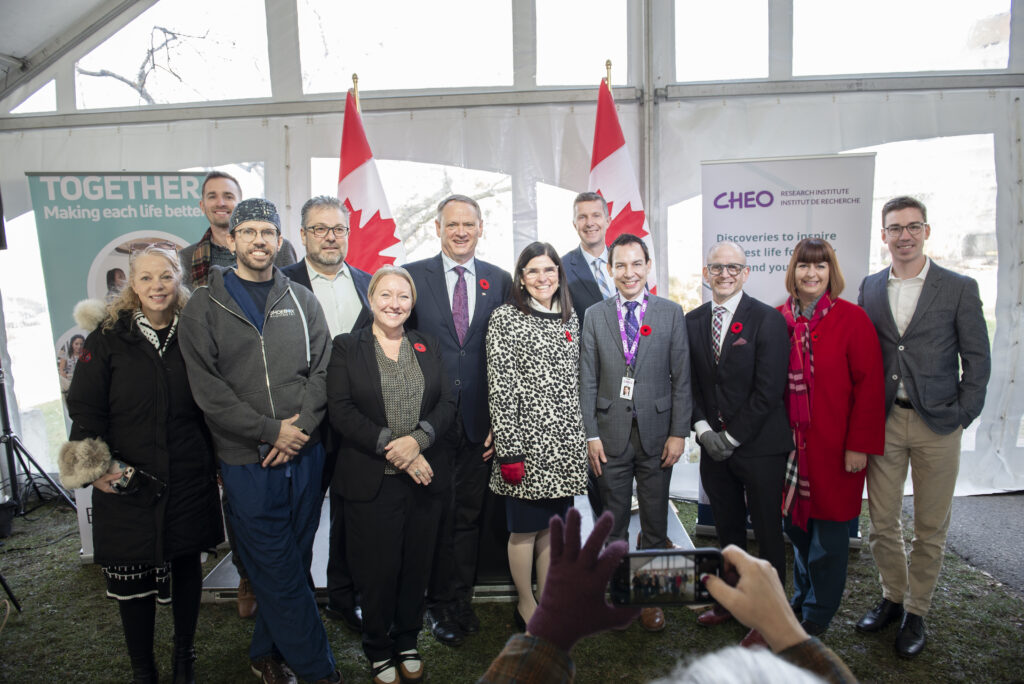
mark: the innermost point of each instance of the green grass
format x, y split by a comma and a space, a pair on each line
69, 632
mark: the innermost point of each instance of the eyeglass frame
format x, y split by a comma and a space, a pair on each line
337, 230
729, 268
895, 230
265, 233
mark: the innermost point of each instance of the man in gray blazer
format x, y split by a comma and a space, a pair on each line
635, 396
937, 362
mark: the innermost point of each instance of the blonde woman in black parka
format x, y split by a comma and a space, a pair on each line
130, 390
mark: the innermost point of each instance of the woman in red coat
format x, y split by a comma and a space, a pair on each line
835, 398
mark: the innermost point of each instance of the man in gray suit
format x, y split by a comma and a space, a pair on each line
930, 325
635, 396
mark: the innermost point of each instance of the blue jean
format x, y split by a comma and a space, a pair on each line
275, 513
821, 553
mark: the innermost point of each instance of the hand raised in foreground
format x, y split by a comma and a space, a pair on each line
758, 599
573, 604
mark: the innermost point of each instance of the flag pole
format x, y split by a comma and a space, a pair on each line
355, 91
608, 69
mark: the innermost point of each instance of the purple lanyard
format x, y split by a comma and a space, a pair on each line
629, 351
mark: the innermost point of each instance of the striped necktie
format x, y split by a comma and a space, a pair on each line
716, 330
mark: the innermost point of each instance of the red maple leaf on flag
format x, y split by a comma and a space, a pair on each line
367, 240
628, 221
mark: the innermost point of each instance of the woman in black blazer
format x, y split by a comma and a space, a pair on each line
389, 401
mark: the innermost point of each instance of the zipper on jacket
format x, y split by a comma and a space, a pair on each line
263, 349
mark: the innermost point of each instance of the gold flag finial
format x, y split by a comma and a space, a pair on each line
608, 68
355, 91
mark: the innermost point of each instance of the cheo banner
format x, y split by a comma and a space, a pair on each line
768, 205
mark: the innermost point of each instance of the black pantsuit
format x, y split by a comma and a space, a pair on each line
399, 525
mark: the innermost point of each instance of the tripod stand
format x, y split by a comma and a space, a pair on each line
15, 449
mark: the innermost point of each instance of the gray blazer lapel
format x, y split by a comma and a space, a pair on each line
930, 290
877, 296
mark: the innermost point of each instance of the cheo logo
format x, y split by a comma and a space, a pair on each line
750, 199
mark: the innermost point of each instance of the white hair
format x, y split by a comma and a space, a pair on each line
738, 665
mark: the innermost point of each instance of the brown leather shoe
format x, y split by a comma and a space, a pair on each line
271, 671
334, 678
714, 616
652, 619
753, 639
668, 544
414, 659
246, 599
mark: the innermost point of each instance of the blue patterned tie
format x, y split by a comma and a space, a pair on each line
602, 281
631, 325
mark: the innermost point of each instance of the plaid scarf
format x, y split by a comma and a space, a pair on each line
797, 489
147, 330
200, 270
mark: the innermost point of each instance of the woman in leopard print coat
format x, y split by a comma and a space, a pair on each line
533, 361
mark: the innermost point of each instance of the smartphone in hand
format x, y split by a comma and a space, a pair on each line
664, 577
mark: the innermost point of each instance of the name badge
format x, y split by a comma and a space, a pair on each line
626, 390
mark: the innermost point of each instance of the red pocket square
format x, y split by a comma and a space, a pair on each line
738, 342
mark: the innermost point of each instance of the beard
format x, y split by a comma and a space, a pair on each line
326, 259
250, 263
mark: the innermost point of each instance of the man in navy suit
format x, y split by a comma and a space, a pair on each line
456, 294
937, 362
586, 271
739, 353
341, 291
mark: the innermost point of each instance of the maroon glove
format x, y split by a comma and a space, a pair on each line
513, 472
574, 605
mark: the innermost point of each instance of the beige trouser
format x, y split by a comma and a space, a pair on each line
934, 462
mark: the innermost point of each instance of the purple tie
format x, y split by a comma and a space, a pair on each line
631, 322
460, 305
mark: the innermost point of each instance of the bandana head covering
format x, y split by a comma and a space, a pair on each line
255, 209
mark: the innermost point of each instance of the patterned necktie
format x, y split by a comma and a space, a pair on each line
716, 331
631, 325
460, 305
599, 276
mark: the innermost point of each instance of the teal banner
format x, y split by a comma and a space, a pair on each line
90, 224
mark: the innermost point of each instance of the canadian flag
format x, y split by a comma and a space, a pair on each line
373, 238
612, 175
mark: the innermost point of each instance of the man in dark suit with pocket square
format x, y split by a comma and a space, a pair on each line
456, 294
937, 363
341, 290
739, 351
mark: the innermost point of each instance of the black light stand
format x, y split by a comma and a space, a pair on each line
15, 449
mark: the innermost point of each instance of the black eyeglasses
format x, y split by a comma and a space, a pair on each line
249, 234
320, 231
895, 230
732, 269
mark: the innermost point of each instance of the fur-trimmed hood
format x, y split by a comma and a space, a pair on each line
89, 313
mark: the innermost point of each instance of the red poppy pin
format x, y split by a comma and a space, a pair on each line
484, 285
420, 347
568, 335
815, 337
736, 328
645, 330
85, 357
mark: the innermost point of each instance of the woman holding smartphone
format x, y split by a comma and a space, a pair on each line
130, 391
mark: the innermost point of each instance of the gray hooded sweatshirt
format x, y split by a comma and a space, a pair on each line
247, 382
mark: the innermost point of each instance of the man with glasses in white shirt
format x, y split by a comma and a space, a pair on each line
341, 290
937, 362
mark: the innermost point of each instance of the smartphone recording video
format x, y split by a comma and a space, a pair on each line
664, 577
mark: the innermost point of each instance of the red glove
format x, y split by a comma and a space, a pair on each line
513, 472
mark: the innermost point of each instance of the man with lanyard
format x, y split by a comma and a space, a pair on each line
636, 400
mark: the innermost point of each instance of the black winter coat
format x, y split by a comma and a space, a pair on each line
140, 404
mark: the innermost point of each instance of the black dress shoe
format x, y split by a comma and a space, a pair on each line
444, 627
813, 628
911, 637
881, 616
352, 616
465, 617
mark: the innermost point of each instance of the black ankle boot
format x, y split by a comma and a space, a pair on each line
184, 662
144, 670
